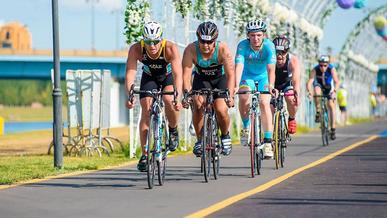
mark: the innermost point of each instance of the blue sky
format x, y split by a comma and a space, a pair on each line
75, 23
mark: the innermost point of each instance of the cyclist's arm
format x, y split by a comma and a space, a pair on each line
295, 68
227, 61
187, 63
134, 54
173, 56
239, 64
335, 79
309, 84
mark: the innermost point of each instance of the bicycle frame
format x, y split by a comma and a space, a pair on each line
324, 119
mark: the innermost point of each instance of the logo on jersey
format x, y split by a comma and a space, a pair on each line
156, 66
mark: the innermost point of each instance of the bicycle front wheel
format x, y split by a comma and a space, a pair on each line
206, 151
252, 145
324, 127
276, 134
150, 158
161, 165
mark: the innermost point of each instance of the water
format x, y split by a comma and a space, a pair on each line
14, 127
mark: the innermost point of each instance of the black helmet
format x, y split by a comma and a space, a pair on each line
207, 31
281, 43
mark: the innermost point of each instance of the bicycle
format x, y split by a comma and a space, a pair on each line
255, 132
324, 118
156, 146
280, 133
211, 148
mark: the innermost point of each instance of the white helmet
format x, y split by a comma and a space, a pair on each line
256, 26
152, 31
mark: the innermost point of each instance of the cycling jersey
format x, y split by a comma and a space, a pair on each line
255, 63
283, 75
156, 71
155, 67
324, 80
209, 73
210, 68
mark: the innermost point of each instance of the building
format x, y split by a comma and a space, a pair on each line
15, 36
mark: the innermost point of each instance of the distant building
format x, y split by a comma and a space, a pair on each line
15, 36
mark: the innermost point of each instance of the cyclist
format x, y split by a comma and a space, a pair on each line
161, 68
213, 69
255, 62
321, 78
287, 78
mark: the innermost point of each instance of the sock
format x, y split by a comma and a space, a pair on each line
246, 122
267, 135
222, 136
266, 140
172, 129
291, 118
333, 129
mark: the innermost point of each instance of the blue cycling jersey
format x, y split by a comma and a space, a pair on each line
255, 62
324, 79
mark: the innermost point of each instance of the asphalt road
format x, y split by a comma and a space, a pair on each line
355, 189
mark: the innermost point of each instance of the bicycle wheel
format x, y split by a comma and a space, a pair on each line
161, 165
150, 158
324, 126
258, 149
206, 152
283, 141
277, 138
215, 151
252, 145
114, 143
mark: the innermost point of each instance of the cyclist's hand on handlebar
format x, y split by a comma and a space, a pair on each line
130, 103
176, 105
274, 92
185, 103
230, 102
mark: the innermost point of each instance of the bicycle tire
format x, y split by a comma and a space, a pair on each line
324, 125
252, 145
258, 150
206, 161
215, 151
150, 159
161, 166
284, 138
276, 135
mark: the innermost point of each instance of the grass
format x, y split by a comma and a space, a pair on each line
27, 114
15, 169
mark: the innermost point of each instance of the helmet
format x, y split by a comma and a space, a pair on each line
152, 31
281, 43
256, 26
207, 31
323, 59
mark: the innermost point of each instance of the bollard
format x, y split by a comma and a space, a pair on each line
1, 126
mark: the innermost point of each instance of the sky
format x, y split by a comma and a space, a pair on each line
75, 23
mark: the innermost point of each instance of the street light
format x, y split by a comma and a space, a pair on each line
92, 3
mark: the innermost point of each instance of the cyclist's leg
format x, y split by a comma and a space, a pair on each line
267, 116
292, 106
147, 83
223, 118
198, 111
244, 106
332, 115
317, 91
172, 115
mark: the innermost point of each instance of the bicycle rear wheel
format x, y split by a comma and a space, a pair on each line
215, 151
252, 144
161, 165
277, 138
150, 158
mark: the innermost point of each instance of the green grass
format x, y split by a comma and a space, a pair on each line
354, 120
29, 114
15, 169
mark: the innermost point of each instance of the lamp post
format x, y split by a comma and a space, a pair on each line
92, 3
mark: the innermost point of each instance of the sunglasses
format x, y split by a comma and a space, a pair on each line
323, 65
281, 52
152, 42
206, 42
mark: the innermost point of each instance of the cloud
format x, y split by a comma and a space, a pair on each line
104, 5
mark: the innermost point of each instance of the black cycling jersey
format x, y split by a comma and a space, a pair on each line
156, 67
283, 75
210, 68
